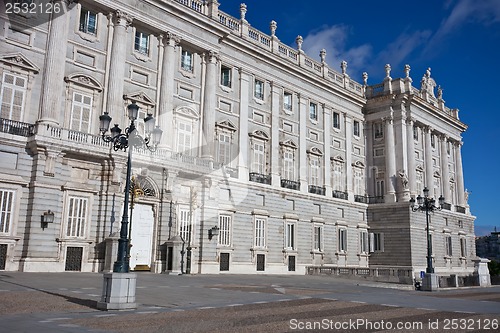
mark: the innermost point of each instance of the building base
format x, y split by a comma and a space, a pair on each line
430, 282
118, 292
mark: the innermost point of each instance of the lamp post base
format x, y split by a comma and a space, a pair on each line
118, 292
430, 282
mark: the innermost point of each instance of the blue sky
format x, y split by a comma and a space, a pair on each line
458, 39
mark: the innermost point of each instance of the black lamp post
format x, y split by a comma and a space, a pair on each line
122, 141
426, 204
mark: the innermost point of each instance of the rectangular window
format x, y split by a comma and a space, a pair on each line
378, 129
288, 165
88, 22
415, 133
420, 181
358, 181
260, 233
77, 217
318, 235
141, 42
224, 230
259, 89
356, 130
433, 141
448, 245
290, 236
225, 148
314, 166
184, 224
187, 61
80, 112
12, 97
342, 240
259, 160
287, 101
6, 210
184, 137
377, 242
336, 120
338, 178
463, 247
313, 111
363, 241
225, 76
380, 186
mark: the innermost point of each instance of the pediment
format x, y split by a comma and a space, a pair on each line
437, 174
337, 158
187, 111
358, 164
140, 97
259, 134
315, 151
226, 124
84, 80
289, 143
19, 60
420, 168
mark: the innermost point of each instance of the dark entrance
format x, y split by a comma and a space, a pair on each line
224, 262
261, 262
74, 259
291, 263
3, 256
170, 258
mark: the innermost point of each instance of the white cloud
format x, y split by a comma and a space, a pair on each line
464, 11
333, 40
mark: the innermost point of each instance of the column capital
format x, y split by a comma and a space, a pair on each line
121, 18
427, 129
458, 144
443, 137
389, 119
212, 57
171, 39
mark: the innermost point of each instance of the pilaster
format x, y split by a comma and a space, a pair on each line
209, 105
302, 143
243, 126
348, 180
390, 161
327, 123
428, 161
459, 174
412, 178
275, 116
445, 175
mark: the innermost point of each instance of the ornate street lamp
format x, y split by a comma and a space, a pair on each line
122, 141
427, 205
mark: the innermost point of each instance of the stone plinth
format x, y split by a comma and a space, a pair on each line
430, 282
118, 291
174, 244
111, 253
482, 272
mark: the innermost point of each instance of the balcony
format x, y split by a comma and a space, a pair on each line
340, 195
446, 206
293, 185
360, 198
376, 199
16, 127
317, 189
259, 178
460, 209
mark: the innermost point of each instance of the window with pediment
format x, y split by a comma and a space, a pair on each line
225, 135
315, 157
17, 75
146, 106
186, 121
338, 166
83, 97
288, 149
259, 150
358, 178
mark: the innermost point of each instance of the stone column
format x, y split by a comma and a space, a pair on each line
165, 107
412, 177
390, 161
55, 61
243, 127
327, 125
459, 175
348, 177
303, 167
276, 93
429, 177
115, 105
209, 105
445, 175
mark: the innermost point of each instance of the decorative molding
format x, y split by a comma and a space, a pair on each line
226, 124
84, 80
289, 143
315, 151
21, 61
140, 97
259, 134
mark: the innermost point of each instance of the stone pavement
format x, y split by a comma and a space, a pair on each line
65, 302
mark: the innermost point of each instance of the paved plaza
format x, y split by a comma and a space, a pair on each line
66, 302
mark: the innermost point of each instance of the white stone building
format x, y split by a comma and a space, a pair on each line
297, 164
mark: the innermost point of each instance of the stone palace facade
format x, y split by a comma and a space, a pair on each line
271, 161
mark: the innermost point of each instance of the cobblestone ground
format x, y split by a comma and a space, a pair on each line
241, 304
